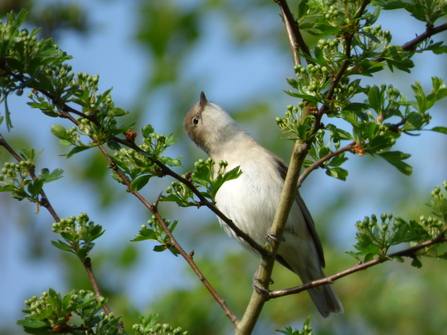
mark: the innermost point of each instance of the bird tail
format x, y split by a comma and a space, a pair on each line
326, 300
323, 296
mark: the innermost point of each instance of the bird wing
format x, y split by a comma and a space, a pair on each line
282, 170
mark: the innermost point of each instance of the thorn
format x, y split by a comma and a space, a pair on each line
158, 200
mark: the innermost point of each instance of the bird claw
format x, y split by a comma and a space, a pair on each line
258, 287
271, 236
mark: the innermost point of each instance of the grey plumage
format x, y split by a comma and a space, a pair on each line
250, 201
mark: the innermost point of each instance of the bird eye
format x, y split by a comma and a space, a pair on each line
195, 121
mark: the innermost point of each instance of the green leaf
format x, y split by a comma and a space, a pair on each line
59, 131
33, 323
303, 96
437, 48
375, 98
230, 175
62, 245
7, 115
337, 160
442, 130
405, 233
174, 251
396, 158
170, 161
83, 252
416, 263
338, 173
140, 182
147, 130
117, 112
159, 248
413, 122
55, 175
396, 57
35, 186
389, 5
77, 149
319, 58
292, 82
145, 234
19, 194
303, 7
170, 140
7, 188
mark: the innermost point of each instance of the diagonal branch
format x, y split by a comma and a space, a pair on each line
410, 252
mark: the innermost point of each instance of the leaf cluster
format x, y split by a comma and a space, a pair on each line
307, 329
17, 179
375, 238
142, 163
26, 62
422, 10
52, 313
153, 231
205, 176
41, 66
78, 233
150, 325
329, 87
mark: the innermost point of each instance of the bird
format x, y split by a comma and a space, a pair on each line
250, 200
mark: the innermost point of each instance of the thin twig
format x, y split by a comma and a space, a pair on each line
411, 45
321, 161
410, 252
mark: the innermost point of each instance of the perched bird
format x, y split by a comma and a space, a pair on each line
250, 201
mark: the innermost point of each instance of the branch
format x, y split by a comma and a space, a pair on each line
321, 161
263, 274
294, 36
411, 45
410, 252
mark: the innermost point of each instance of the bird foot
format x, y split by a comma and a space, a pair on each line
271, 236
256, 286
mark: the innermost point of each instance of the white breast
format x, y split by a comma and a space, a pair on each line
250, 201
